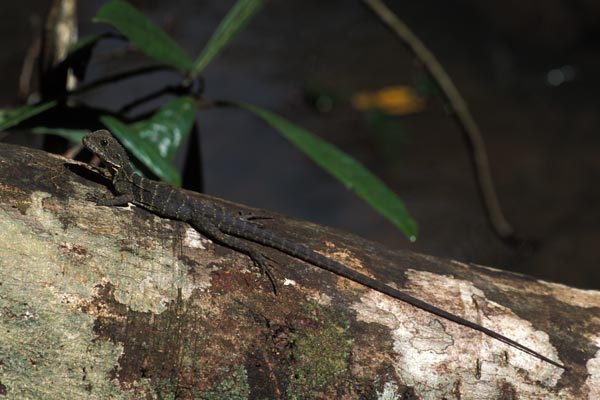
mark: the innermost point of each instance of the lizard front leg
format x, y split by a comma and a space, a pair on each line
213, 232
107, 200
120, 200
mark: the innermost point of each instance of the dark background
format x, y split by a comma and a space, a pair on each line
541, 134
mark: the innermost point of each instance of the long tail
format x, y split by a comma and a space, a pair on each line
303, 253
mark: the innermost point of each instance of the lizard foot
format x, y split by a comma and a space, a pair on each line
100, 200
261, 262
94, 198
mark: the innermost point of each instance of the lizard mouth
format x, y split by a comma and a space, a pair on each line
91, 146
87, 143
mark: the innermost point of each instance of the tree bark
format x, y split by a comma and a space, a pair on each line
99, 302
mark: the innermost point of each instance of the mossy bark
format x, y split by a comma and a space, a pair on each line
99, 302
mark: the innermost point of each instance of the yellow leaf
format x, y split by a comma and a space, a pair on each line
394, 100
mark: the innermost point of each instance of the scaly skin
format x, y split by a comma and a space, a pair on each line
227, 228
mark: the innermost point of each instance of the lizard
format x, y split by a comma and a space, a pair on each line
229, 229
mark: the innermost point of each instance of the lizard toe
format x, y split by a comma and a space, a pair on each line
261, 262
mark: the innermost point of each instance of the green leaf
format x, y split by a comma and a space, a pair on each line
74, 135
235, 20
155, 141
346, 169
10, 118
148, 37
80, 54
85, 42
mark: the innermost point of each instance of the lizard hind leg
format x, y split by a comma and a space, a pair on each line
260, 260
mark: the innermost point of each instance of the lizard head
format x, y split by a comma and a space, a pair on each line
103, 144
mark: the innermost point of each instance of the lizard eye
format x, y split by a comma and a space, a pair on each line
104, 142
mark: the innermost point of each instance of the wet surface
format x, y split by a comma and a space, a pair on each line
542, 139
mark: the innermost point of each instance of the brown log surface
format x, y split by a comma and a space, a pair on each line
99, 302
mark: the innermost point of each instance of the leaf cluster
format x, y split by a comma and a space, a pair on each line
153, 139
